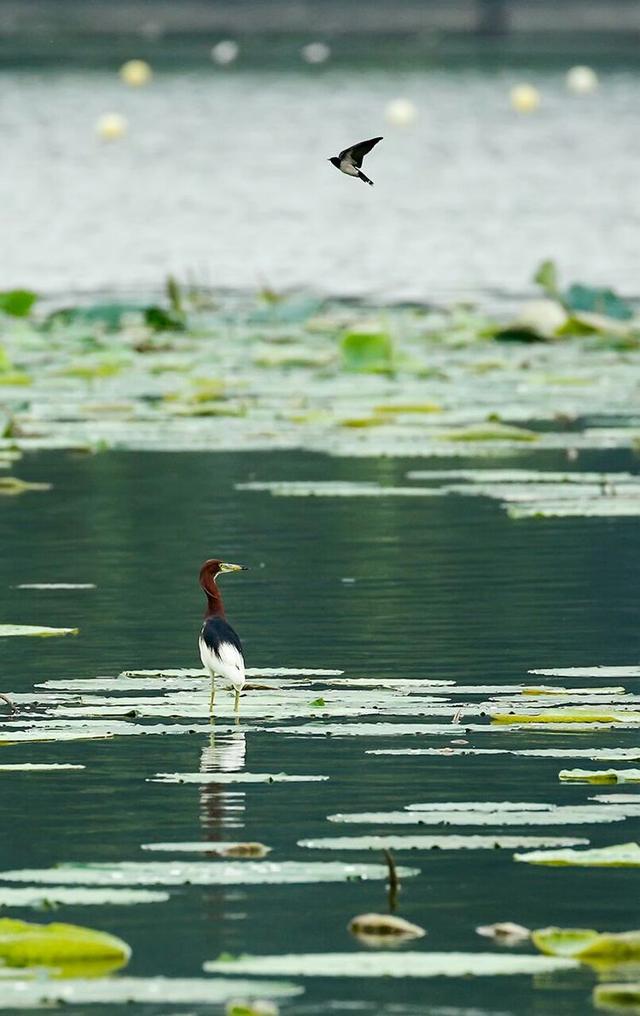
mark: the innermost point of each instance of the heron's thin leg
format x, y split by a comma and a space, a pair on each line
212, 698
237, 701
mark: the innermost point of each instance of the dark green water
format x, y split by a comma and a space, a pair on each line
444, 587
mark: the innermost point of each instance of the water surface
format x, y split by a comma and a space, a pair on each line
444, 588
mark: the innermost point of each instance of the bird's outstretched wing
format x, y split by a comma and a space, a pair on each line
358, 151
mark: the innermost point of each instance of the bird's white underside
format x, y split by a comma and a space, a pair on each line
347, 167
227, 663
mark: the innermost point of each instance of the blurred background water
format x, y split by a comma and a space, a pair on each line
223, 175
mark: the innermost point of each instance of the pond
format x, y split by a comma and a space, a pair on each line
395, 589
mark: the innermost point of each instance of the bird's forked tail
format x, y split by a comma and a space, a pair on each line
365, 179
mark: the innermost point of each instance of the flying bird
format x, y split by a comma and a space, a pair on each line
220, 648
350, 160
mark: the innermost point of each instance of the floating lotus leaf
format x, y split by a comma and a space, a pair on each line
620, 855
158, 991
23, 944
601, 775
595, 671
337, 488
559, 815
610, 754
566, 716
454, 842
618, 998
36, 767
203, 873
239, 777
603, 949
34, 630
52, 896
391, 964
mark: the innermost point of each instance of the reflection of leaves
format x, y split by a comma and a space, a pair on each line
367, 351
17, 302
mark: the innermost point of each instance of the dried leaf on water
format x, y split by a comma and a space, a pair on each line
383, 929
505, 932
224, 849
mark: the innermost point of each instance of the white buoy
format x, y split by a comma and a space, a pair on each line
524, 98
581, 80
315, 52
225, 52
111, 126
401, 112
136, 73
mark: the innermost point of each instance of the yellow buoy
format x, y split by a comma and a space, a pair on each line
525, 98
581, 80
401, 112
136, 73
111, 126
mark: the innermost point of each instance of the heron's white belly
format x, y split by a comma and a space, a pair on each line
227, 663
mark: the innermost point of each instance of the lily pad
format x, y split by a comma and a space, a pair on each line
53, 896
204, 873
37, 767
391, 964
454, 842
157, 991
56, 585
239, 777
601, 775
34, 630
383, 929
618, 998
23, 944
587, 945
620, 855
560, 815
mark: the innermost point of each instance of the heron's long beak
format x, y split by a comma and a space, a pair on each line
224, 567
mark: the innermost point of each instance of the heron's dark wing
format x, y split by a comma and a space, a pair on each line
357, 152
215, 631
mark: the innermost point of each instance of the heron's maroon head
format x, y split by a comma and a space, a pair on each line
208, 575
